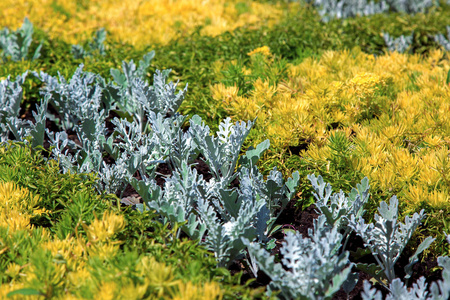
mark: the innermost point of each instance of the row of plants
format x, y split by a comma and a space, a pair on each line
138, 23
90, 135
230, 211
349, 115
299, 34
149, 22
60, 239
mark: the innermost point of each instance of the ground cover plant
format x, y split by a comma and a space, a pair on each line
191, 56
345, 115
60, 239
210, 178
138, 23
227, 216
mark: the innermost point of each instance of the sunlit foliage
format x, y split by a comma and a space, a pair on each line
137, 22
388, 115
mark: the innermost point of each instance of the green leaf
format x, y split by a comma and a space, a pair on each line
292, 184
25, 292
414, 259
389, 212
271, 244
147, 192
350, 283
252, 155
374, 270
193, 227
359, 253
119, 78
88, 128
37, 52
338, 280
231, 202
145, 62
448, 78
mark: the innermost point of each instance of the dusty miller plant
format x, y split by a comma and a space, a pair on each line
77, 100
138, 98
221, 153
387, 238
442, 40
15, 45
439, 290
11, 93
411, 6
342, 9
400, 44
309, 268
25, 130
10, 97
94, 46
337, 207
224, 231
82, 107
83, 103
213, 209
175, 146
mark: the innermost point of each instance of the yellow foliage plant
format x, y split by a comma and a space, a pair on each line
63, 268
137, 22
394, 109
17, 206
